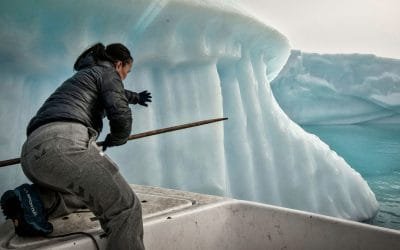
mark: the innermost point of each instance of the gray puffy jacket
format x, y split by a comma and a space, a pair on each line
95, 91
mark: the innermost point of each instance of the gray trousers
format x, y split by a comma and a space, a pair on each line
62, 158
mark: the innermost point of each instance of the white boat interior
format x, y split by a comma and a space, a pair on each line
176, 219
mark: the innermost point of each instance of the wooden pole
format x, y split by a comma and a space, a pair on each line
137, 136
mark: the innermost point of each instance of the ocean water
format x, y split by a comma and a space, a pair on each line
374, 151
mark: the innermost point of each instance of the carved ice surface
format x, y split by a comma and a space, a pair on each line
200, 60
367, 86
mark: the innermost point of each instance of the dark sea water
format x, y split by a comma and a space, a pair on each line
374, 151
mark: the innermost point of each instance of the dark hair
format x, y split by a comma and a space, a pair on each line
113, 52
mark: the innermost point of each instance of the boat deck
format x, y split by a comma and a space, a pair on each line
157, 203
176, 219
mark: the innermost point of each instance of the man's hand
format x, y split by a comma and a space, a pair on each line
107, 142
144, 97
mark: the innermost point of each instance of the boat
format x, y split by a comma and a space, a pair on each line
175, 219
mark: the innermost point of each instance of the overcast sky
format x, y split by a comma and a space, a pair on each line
334, 26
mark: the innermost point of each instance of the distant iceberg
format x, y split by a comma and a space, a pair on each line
200, 60
314, 88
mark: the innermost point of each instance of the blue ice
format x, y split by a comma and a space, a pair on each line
200, 59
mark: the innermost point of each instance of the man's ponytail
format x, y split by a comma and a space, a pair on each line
112, 53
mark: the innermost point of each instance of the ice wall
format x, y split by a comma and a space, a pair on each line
314, 89
200, 59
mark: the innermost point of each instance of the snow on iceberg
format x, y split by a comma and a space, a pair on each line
314, 88
200, 59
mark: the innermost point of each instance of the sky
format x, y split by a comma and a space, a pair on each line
334, 26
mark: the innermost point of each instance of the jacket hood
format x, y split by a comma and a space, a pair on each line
86, 61
89, 61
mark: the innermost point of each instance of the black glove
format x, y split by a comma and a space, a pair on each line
107, 142
144, 97
111, 141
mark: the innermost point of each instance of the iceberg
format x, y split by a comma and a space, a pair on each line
200, 59
313, 88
